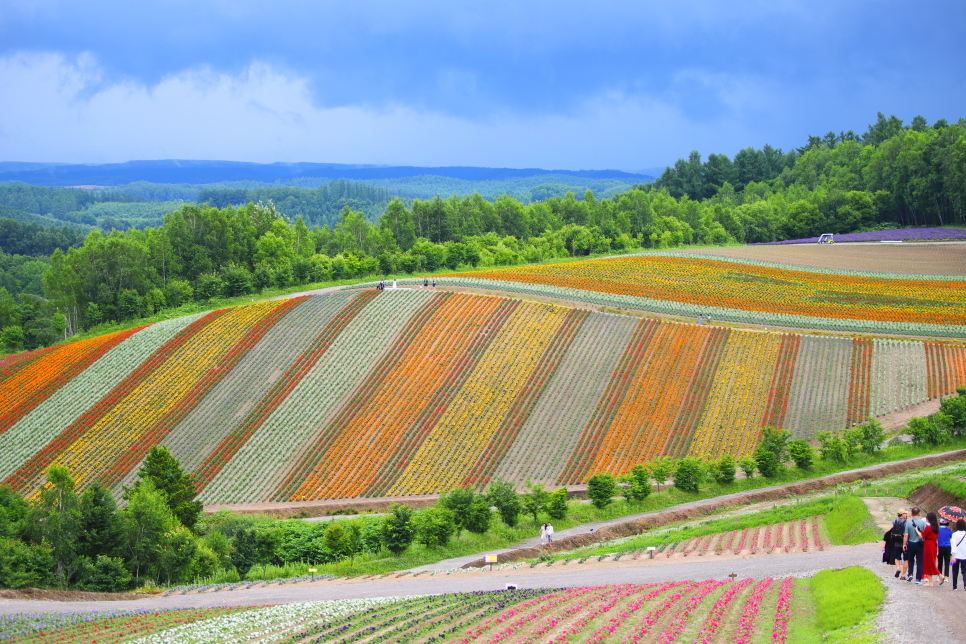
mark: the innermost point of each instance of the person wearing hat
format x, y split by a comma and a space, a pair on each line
945, 549
897, 533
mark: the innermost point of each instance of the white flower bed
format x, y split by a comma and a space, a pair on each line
263, 625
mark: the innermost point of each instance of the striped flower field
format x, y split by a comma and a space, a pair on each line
756, 293
412, 391
742, 610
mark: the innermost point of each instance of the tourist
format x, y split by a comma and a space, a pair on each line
912, 545
425, 282
958, 541
894, 544
930, 551
543, 534
549, 533
945, 549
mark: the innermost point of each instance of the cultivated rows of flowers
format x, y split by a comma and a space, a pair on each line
754, 288
219, 411
851, 318
686, 611
549, 435
413, 391
74, 399
803, 534
314, 392
100, 626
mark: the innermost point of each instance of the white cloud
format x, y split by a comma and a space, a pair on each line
59, 109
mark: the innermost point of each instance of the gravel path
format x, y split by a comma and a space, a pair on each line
913, 614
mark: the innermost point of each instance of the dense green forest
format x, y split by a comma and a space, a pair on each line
893, 175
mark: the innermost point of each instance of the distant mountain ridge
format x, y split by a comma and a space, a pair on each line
200, 172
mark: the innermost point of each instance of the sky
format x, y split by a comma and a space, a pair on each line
557, 85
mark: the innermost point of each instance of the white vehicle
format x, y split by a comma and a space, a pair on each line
826, 239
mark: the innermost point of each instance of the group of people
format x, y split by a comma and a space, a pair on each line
702, 317
925, 548
546, 534
381, 286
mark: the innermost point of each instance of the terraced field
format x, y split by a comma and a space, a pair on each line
411, 391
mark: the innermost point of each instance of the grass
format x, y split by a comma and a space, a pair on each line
836, 606
849, 522
952, 486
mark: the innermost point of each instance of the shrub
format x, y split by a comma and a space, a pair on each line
723, 470
434, 526
107, 575
767, 463
244, 551
870, 436
638, 486
601, 488
748, 465
505, 499
775, 440
398, 530
557, 506
935, 430
535, 500
801, 453
208, 286
688, 474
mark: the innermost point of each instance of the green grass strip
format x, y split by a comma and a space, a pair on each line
844, 598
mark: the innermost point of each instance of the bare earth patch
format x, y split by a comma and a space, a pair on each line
937, 258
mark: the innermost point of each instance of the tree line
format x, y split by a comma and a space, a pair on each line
891, 176
80, 539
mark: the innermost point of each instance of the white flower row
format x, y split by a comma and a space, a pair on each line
263, 624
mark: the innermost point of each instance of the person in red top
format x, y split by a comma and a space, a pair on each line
930, 549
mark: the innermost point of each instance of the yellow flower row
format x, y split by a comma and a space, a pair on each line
100, 446
463, 431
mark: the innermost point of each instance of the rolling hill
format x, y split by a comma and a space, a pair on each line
410, 391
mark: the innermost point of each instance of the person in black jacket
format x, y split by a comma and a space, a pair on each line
896, 533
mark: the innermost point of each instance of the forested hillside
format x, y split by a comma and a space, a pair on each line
891, 176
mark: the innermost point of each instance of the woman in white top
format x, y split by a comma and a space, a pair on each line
958, 544
543, 534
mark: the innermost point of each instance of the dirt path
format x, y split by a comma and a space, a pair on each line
884, 509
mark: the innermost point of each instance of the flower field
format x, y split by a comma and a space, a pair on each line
412, 391
757, 293
687, 611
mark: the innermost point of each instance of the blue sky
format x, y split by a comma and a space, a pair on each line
574, 85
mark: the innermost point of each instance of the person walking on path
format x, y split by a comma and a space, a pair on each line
549, 533
912, 545
945, 549
543, 534
930, 550
958, 543
896, 534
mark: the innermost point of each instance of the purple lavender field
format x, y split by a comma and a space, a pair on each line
901, 234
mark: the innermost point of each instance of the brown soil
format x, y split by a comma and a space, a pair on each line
658, 519
901, 418
930, 498
70, 595
947, 258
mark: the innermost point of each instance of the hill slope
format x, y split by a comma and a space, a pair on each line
412, 391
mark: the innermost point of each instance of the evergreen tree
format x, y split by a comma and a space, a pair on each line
167, 476
102, 528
